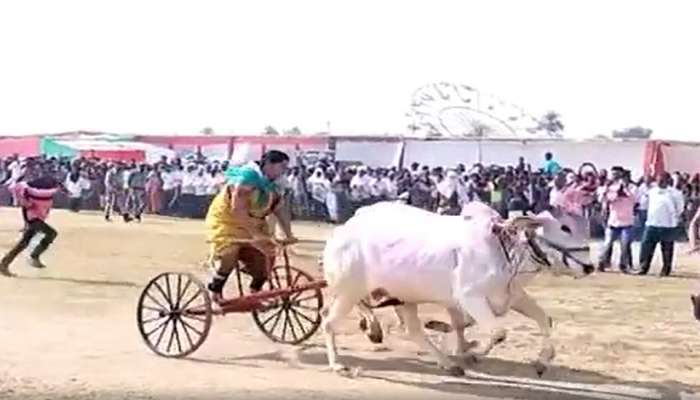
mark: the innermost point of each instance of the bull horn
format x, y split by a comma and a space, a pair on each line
524, 222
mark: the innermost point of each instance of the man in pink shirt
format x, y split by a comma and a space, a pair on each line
35, 198
621, 201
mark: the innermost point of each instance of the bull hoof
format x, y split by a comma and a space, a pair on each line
438, 326
540, 368
455, 371
363, 324
376, 337
342, 370
471, 359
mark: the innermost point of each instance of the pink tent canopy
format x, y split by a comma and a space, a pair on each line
28, 146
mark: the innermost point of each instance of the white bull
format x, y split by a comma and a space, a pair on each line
458, 262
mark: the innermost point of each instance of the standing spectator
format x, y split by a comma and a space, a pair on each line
136, 200
642, 197
75, 185
154, 190
169, 187
620, 225
187, 201
451, 195
319, 186
178, 176
551, 167
500, 197
299, 196
421, 191
665, 208
359, 187
113, 188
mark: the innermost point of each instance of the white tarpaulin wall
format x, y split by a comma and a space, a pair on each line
371, 153
603, 154
683, 157
440, 153
293, 152
245, 152
215, 151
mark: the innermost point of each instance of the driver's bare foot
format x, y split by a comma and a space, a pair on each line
217, 298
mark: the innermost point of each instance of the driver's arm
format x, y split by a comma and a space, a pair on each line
283, 217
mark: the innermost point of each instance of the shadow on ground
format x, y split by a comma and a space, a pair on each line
490, 378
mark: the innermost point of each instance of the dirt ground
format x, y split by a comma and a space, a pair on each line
70, 332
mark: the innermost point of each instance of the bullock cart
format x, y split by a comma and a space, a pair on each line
175, 311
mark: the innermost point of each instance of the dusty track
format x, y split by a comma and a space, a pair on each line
69, 332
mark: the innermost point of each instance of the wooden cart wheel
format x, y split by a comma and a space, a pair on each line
174, 314
294, 318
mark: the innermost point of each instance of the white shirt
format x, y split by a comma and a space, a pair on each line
178, 177
188, 183
215, 183
201, 185
125, 178
642, 196
168, 181
665, 207
75, 189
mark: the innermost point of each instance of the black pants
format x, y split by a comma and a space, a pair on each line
32, 228
74, 203
653, 235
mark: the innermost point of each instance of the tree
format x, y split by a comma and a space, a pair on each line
551, 123
479, 130
636, 132
269, 130
207, 131
293, 132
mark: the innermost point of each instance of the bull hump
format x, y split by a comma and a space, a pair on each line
379, 293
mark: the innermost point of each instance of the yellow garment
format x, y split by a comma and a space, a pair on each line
224, 228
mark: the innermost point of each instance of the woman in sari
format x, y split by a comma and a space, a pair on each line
237, 226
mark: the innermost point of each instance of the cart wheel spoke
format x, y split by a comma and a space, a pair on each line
297, 326
165, 296
277, 320
149, 320
153, 299
315, 296
171, 301
194, 317
296, 317
176, 333
284, 324
277, 277
296, 279
303, 307
187, 333
188, 302
300, 314
191, 327
158, 327
174, 293
288, 319
272, 315
178, 295
162, 332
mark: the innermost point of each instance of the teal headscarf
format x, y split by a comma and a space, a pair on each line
250, 176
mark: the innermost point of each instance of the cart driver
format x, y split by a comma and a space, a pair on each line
237, 230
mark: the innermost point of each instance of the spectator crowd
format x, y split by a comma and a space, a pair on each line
616, 204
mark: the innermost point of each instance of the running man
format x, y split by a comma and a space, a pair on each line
236, 223
35, 199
